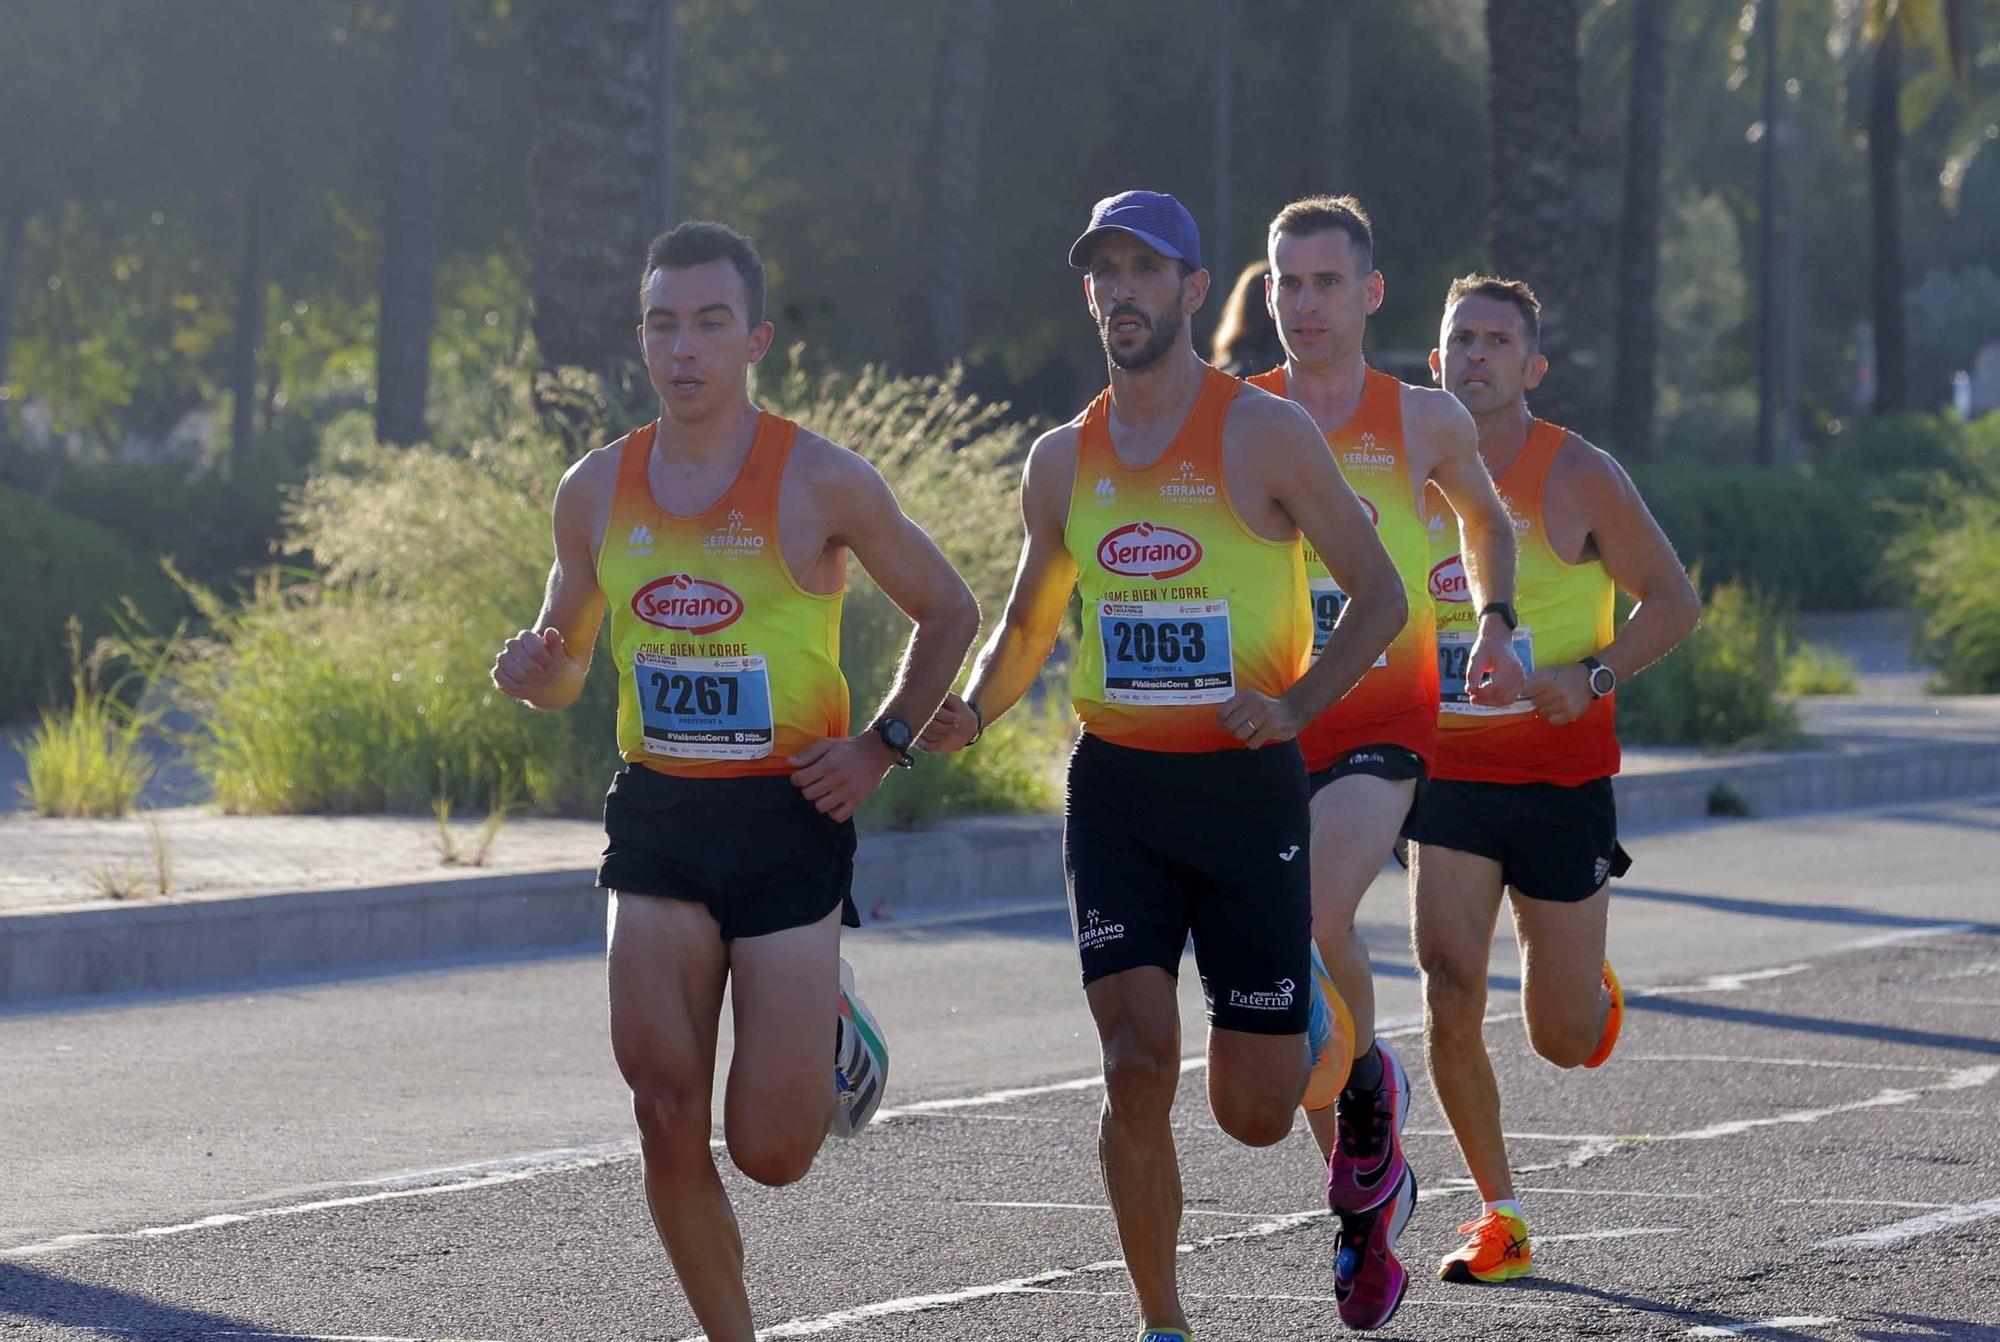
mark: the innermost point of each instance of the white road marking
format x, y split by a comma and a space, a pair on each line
1523, 1136
992, 1097
1832, 1064
1947, 1219
1104, 1207
1720, 983
1739, 1329
1988, 1002
1905, 934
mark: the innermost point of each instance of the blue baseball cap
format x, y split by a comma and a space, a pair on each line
1153, 217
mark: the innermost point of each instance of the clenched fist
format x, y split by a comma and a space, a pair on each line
529, 663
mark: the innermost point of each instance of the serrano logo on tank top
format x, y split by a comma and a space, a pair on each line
687, 604
1448, 581
1143, 550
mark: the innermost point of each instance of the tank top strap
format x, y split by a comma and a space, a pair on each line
1200, 438
1527, 476
1094, 435
1381, 408
757, 485
632, 490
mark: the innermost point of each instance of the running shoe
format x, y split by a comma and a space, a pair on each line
1330, 1032
1614, 1020
1367, 1164
1368, 1282
1497, 1251
860, 1061
1165, 1335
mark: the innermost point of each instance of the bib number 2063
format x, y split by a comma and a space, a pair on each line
1166, 652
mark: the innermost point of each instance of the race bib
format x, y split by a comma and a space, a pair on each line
1166, 652
1454, 657
1327, 603
704, 708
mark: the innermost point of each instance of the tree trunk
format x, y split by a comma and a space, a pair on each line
958, 118
666, 78
1535, 101
595, 170
1639, 242
249, 330
1329, 71
1218, 246
1767, 241
1885, 151
13, 255
410, 226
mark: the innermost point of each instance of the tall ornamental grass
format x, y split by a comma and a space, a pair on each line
88, 759
357, 680
1951, 552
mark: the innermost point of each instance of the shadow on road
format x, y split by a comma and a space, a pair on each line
1783, 1020
1839, 914
34, 1296
1698, 1317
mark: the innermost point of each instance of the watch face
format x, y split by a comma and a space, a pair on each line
1602, 680
895, 733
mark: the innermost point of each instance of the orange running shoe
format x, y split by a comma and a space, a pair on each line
1614, 1019
1497, 1251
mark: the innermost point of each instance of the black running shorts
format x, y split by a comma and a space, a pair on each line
1159, 845
753, 851
1554, 843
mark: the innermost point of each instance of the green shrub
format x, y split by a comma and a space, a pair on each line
57, 566
1952, 556
1016, 768
361, 683
90, 758
1720, 687
1810, 668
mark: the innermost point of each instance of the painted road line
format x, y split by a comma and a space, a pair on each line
1630, 1232
1104, 1207
1831, 1064
1762, 1325
1950, 1218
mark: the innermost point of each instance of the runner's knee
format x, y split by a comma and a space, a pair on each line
1142, 1069
1254, 1120
1454, 989
672, 1114
774, 1157
1566, 1043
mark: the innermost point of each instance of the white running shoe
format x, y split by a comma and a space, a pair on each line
860, 1061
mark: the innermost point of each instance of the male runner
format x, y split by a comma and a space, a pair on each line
1520, 800
718, 537
1369, 753
1176, 501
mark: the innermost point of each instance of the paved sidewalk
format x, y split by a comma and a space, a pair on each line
49, 864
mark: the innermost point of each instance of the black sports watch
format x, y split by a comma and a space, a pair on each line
896, 735
1505, 610
978, 722
1603, 679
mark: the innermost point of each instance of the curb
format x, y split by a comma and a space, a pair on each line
203, 944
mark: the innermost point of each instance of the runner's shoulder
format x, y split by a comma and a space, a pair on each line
587, 486
1589, 472
1274, 419
1433, 411
1055, 451
828, 471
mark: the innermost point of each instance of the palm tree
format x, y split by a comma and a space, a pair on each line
595, 172
1888, 26
958, 114
1534, 100
1639, 243
410, 227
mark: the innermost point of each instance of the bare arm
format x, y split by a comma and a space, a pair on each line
837, 776
1641, 560
1485, 535
1019, 647
537, 666
1306, 483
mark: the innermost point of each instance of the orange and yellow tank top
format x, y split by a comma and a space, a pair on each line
1183, 604
1566, 615
1396, 701
726, 666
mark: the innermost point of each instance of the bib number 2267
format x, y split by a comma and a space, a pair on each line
716, 708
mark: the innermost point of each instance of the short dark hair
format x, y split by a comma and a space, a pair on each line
1505, 290
1319, 214
698, 242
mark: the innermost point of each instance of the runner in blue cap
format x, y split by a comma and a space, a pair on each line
1175, 503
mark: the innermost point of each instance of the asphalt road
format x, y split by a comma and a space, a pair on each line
1796, 1139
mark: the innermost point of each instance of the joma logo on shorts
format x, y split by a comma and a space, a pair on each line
1143, 550
691, 605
